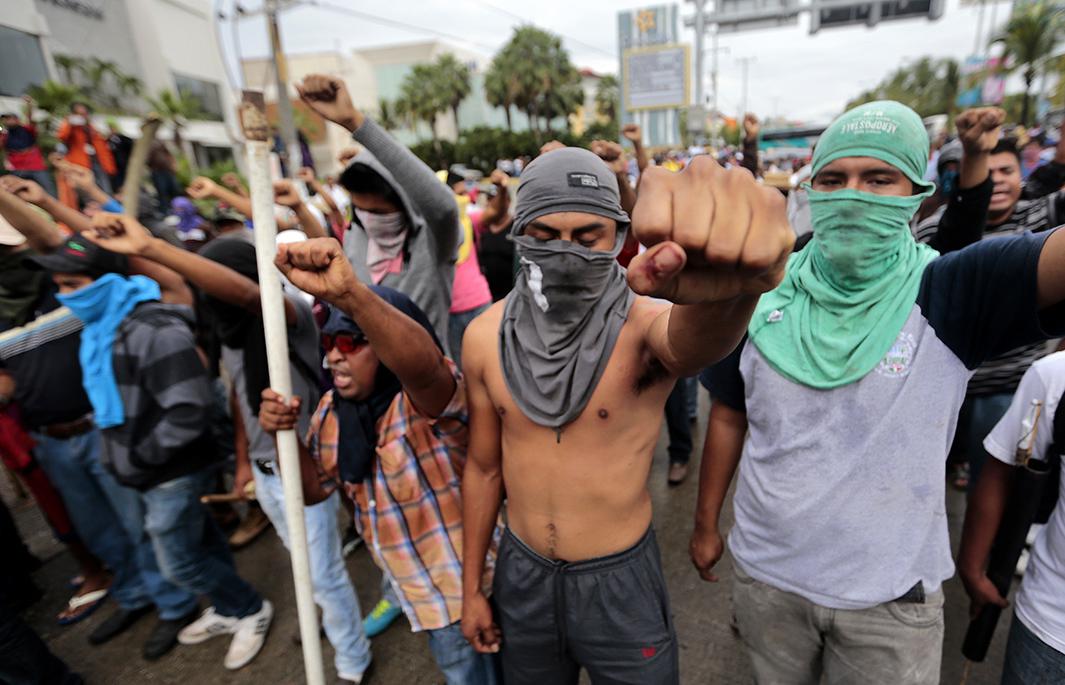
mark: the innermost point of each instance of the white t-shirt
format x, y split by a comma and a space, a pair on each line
1040, 603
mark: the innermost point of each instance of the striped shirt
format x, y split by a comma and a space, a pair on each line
409, 510
1002, 374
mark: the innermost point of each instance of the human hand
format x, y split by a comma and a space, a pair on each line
119, 233
550, 145
232, 181
981, 592
243, 480
499, 178
202, 188
77, 176
751, 127
478, 627
347, 154
285, 194
317, 267
979, 129
329, 97
705, 549
27, 191
277, 415
633, 134
611, 153
712, 234
306, 174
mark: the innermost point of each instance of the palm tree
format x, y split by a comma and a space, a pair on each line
498, 88
607, 96
454, 82
55, 98
1028, 40
388, 114
68, 64
424, 98
176, 109
538, 71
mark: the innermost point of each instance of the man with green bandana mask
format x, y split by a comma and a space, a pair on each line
843, 402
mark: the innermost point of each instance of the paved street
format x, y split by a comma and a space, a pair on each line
709, 651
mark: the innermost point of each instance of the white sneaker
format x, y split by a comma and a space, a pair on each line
249, 635
208, 625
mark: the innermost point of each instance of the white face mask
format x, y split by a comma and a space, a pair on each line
76, 120
386, 233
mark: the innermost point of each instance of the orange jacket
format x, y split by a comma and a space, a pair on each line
77, 137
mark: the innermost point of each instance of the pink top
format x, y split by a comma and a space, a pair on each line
470, 290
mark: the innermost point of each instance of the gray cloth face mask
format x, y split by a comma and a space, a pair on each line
565, 313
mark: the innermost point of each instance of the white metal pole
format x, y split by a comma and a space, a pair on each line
262, 205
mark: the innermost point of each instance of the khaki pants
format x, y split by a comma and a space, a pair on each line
792, 641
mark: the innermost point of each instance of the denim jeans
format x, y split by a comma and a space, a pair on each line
109, 518
456, 328
333, 592
678, 423
458, 660
1029, 660
193, 553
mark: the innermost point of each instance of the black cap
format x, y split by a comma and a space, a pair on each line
80, 256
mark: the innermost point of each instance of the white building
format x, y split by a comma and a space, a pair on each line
167, 44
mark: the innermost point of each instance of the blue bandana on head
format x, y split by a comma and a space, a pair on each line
102, 307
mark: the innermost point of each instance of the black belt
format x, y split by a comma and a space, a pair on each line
265, 466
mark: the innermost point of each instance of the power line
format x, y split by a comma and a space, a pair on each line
398, 24
525, 20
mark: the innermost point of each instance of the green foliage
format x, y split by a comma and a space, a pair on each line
607, 97
107, 86
54, 98
928, 86
499, 89
1028, 42
480, 147
387, 115
215, 172
453, 80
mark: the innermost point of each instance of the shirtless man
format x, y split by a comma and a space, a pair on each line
567, 380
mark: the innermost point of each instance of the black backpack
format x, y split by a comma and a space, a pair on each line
1053, 458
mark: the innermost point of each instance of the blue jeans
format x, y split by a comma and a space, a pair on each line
109, 518
193, 553
678, 423
1029, 660
333, 592
456, 328
458, 660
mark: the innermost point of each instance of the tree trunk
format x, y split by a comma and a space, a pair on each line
510, 126
455, 113
1028, 78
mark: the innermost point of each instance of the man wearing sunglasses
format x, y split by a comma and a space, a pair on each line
393, 434
226, 272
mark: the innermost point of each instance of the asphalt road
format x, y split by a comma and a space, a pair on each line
710, 653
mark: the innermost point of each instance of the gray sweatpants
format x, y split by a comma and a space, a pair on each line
792, 641
609, 615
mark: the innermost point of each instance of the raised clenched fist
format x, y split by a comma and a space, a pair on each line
285, 194
712, 234
329, 97
202, 188
498, 178
317, 267
751, 127
611, 153
632, 133
979, 129
119, 233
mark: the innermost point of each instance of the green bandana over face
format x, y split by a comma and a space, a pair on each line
847, 295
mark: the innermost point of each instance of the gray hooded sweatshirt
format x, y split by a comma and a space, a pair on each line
434, 234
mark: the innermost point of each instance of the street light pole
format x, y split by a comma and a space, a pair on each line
745, 63
284, 105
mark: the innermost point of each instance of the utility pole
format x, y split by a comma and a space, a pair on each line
700, 30
293, 157
745, 63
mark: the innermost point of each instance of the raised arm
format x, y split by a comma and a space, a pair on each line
634, 135
41, 234
499, 206
285, 194
320, 268
34, 194
306, 174
123, 234
613, 156
329, 97
751, 128
203, 188
718, 240
482, 489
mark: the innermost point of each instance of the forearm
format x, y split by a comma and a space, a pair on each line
725, 434
172, 285
314, 491
309, 223
212, 278
983, 516
482, 494
750, 155
41, 235
241, 203
497, 208
974, 170
78, 222
627, 193
965, 218
699, 335
641, 156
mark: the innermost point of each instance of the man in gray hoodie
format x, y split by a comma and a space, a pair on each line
408, 225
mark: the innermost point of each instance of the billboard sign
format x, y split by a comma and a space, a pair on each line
657, 77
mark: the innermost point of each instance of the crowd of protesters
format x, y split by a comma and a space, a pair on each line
480, 378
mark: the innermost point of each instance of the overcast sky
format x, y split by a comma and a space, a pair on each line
794, 74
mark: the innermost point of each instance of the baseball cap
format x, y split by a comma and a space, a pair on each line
225, 214
77, 255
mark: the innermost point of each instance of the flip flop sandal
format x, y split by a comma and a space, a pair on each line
90, 600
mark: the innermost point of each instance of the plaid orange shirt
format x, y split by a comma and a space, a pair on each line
409, 510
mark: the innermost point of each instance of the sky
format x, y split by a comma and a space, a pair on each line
802, 77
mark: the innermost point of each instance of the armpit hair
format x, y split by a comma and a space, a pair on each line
654, 372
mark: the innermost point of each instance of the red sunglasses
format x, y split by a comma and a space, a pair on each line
345, 342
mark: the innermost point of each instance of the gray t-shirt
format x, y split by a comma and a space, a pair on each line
302, 341
841, 495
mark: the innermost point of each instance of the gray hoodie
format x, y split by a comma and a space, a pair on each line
435, 231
